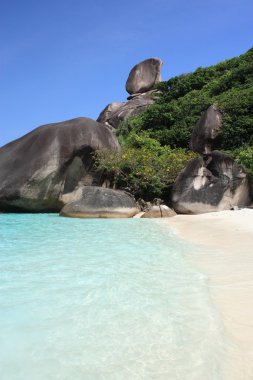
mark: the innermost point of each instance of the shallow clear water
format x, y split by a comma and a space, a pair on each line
103, 299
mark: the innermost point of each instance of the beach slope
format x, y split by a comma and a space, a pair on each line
227, 258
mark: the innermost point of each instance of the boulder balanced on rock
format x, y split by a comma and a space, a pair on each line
140, 84
144, 76
37, 170
46, 168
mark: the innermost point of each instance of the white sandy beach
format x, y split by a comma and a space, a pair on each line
227, 259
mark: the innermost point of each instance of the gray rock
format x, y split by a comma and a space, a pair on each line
99, 202
111, 114
40, 168
115, 113
144, 76
206, 131
161, 211
214, 184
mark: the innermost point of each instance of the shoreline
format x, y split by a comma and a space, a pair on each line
227, 259
221, 230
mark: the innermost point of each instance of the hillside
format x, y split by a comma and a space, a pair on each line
229, 85
156, 142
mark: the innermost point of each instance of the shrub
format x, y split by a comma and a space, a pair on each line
244, 156
143, 167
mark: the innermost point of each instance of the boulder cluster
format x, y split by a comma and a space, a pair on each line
213, 181
51, 169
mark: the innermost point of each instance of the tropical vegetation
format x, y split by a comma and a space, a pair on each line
156, 142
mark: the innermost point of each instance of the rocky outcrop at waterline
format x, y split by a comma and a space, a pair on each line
40, 170
50, 166
53, 166
99, 202
214, 181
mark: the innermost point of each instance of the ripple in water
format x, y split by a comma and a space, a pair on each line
103, 299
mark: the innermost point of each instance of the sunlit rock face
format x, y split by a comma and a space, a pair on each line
99, 202
206, 131
40, 168
212, 184
144, 76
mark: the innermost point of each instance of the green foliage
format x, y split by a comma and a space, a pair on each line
143, 167
237, 121
244, 156
155, 142
171, 119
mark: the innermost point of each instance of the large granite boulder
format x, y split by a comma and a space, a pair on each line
37, 170
144, 76
99, 202
212, 184
206, 130
116, 112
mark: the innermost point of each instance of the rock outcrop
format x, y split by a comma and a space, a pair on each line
40, 168
144, 76
214, 181
206, 131
115, 113
140, 84
53, 165
50, 166
215, 184
99, 202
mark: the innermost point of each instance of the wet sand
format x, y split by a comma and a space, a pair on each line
227, 259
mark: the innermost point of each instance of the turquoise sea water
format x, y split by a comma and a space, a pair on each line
103, 299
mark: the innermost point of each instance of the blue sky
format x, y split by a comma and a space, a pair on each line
61, 59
